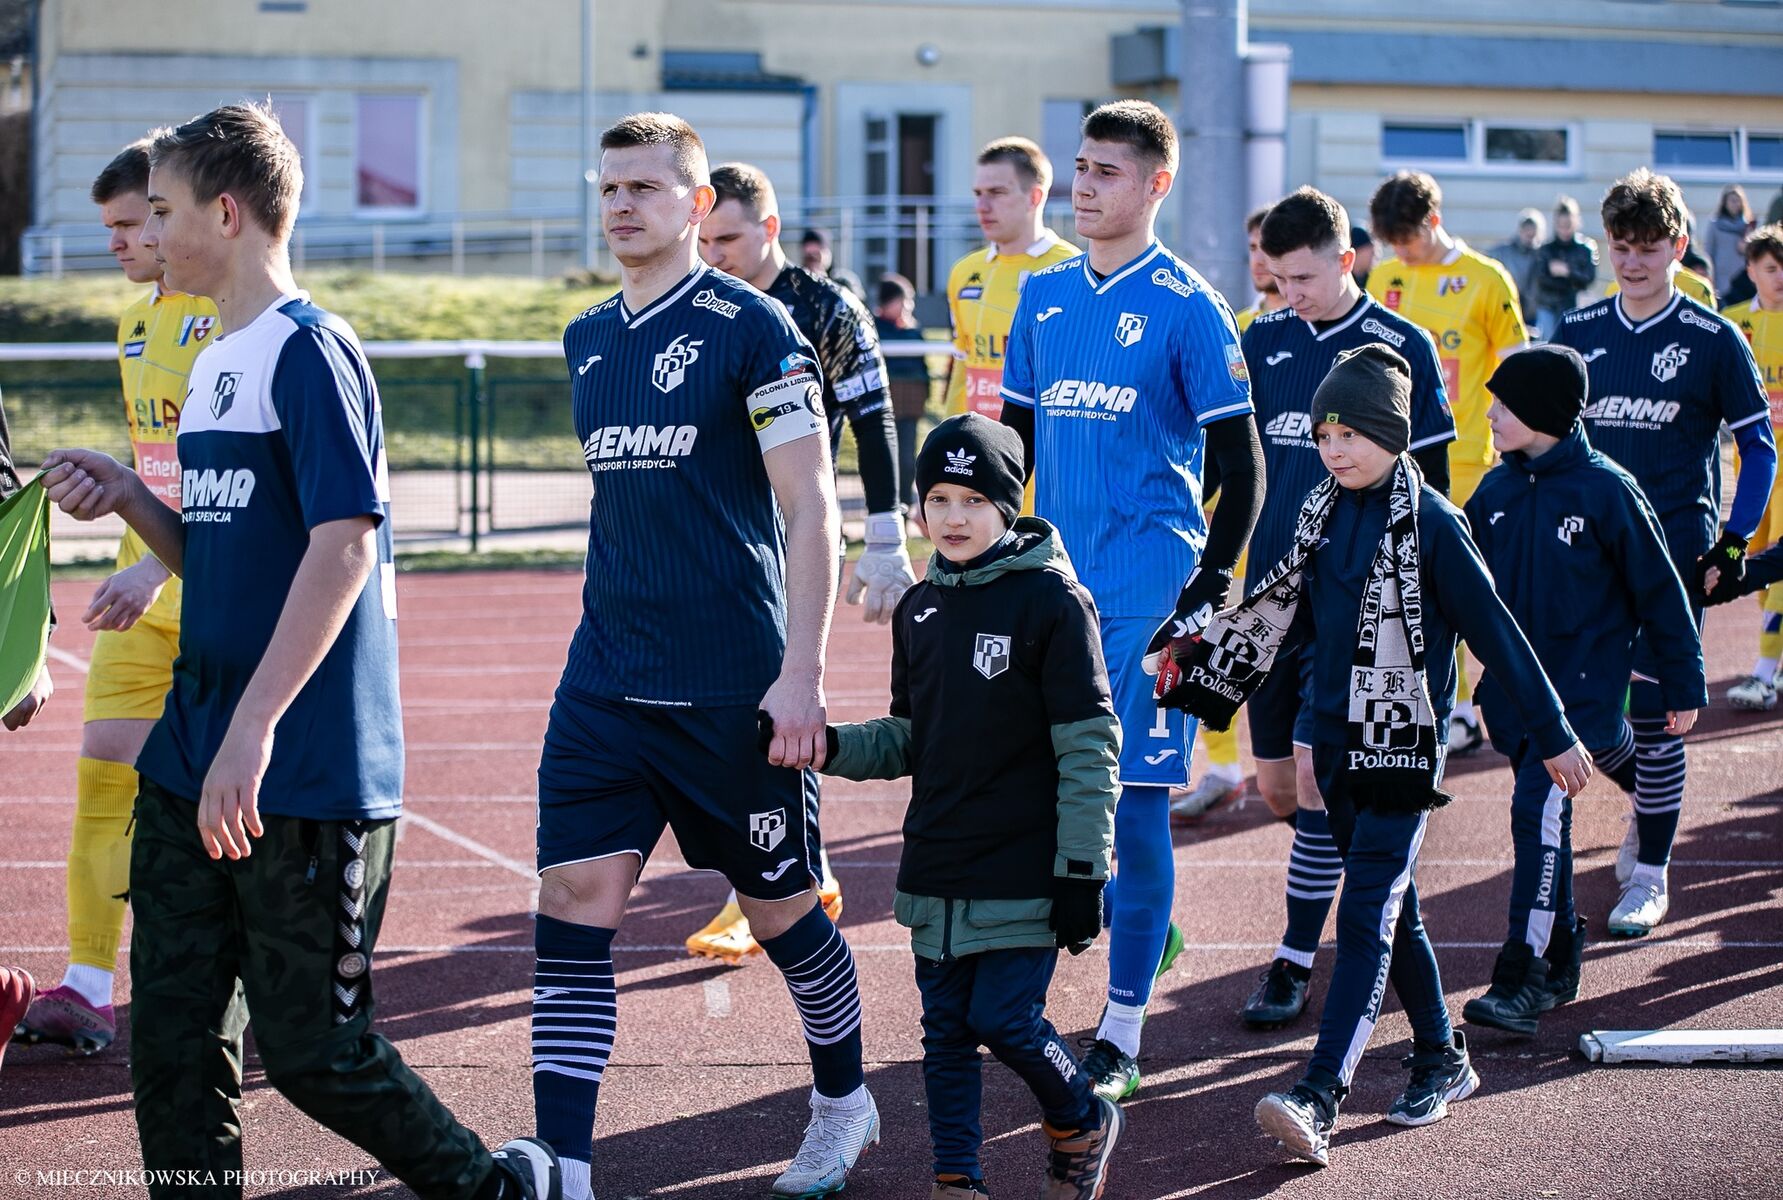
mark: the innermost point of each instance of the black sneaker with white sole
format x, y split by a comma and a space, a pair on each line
1280, 996
1440, 1074
529, 1170
1301, 1119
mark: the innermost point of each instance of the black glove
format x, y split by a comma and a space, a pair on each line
1202, 595
764, 735
1728, 557
1076, 913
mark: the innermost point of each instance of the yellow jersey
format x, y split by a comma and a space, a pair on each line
1245, 316
158, 337
982, 290
1685, 280
1468, 303
1764, 330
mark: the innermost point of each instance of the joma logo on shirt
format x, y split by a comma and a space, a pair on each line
629, 442
204, 493
1080, 393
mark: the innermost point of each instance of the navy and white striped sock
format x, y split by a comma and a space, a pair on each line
819, 970
1314, 870
1659, 770
1617, 762
574, 1013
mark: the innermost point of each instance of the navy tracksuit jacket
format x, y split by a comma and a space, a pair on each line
1380, 848
1579, 559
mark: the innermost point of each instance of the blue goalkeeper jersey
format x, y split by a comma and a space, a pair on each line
675, 406
1123, 374
1289, 357
1660, 390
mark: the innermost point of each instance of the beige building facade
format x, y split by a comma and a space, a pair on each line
444, 123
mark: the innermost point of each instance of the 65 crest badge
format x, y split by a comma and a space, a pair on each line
670, 367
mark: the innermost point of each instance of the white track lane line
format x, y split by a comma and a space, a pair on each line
514, 866
67, 659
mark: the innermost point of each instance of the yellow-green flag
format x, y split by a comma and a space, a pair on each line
24, 590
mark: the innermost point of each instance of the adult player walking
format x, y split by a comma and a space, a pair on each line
1123, 369
711, 575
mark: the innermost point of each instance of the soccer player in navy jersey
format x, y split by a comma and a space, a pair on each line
1122, 373
272, 782
710, 580
1304, 239
1665, 374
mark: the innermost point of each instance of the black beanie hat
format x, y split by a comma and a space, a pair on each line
1369, 389
1545, 386
978, 453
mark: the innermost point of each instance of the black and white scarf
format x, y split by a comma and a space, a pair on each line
1392, 725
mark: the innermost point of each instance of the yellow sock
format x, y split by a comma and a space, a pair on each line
1463, 686
1222, 748
1770, 636
99, 861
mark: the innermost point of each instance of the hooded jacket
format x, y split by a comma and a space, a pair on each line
1001, 715
1578, 557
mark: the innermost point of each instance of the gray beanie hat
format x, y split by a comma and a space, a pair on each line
1369, 389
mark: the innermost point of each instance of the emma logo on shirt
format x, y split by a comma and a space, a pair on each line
213, 496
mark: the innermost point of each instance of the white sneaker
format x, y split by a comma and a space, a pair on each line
1643, 905
1630, 852
1753, 694
1204, 797
1464, 735
839, 1132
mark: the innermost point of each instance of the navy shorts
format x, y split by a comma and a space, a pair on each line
1273, 710
614, 775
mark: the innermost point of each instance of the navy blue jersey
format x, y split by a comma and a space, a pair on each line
685, 597
1660, 391
1123, 373
281, 432
1288, 358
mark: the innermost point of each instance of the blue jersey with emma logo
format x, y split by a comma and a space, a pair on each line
675, 405
1660, 390
281, 432
1289, 357
1123, 373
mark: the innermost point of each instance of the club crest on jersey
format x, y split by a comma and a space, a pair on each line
1568, 527
767, 829
724, 308
990, 654
1130, 328
196, 329
1235, 364
670, 367
1668, 360
223, 399
1451, 285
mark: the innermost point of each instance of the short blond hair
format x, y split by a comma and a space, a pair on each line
240, 149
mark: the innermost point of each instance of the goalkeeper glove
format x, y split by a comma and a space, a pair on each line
1203, 594
1728, 557
883, 573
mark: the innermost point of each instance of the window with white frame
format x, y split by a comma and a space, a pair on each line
387, 153
1718, 153
1061, 132
1532, 147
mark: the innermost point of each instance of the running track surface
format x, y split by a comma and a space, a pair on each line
706, 1097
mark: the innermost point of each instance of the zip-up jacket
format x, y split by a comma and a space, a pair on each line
1458, 603
1000, 713
1578, 557
1561, 292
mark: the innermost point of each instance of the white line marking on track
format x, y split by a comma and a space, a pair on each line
68, 660
472, 844
718, 998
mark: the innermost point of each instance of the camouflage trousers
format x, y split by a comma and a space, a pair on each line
289, 930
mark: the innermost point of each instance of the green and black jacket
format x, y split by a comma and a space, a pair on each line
1001, 715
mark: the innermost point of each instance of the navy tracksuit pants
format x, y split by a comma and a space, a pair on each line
1380, 934
995, 999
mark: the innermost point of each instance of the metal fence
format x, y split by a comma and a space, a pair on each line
477, 433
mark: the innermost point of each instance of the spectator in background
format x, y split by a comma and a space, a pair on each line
1724, 237
1566, 265
1693, 261
1775, 215
1520, 256
815, 257
1363, 245
894, 313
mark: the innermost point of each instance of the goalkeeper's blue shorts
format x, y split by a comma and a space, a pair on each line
614, 775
